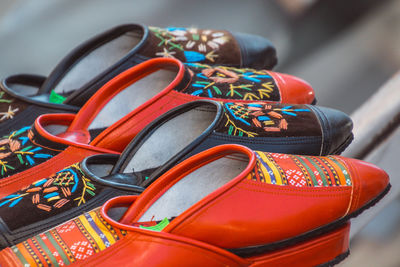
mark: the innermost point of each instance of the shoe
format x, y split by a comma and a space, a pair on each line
90, 240
90, 65
105, 124
157, 148
233, 191
25, 97
238, 193
210, 47
247, 84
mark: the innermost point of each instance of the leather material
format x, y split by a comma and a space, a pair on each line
134, 183
138, 247
39, 102
43, 85
299, 89
9, 237
292, 145
116, 137
77, 139
210, 46
113, 139
257, 217
81, 51
25, 227
214, 135
256, 51
371, 181
171, 250
336, 129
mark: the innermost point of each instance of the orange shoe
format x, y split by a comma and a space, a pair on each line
105, 124
250, 201
157, 148
78, 243
228, 205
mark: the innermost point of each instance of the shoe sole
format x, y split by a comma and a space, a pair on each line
262, 249
324, 250
336, 260
314, 102
344, 145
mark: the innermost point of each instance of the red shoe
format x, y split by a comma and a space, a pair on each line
77, 243
257, 203
105, 124
157, 148
237, 206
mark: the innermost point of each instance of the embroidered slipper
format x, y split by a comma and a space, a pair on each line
230, 190
192, 204
94, 240
206, 124
121, 105
88, 67
231, 197
202, 124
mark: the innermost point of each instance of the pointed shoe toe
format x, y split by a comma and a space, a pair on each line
294, 90
370, 184
337, 129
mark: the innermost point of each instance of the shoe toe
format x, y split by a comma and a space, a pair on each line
257, 52
293, 89
370, 184
337, 130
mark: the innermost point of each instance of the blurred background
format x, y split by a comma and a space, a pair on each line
346, 49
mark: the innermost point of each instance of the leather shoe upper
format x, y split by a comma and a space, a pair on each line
272, 198
256, 51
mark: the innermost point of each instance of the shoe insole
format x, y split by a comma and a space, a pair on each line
132, 97
170, 138
96, 61
194, 187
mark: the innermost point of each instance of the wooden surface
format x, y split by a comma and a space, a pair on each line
377, 140
376, 119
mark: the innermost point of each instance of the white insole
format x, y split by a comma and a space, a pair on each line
23, 89
194, 187
132, 97
99, 169
97, 61
55, 129
170, 138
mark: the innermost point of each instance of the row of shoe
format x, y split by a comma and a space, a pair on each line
125, 155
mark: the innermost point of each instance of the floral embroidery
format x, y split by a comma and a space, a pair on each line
190, 44
18, 152
257, 118
233, 83
54, 192
10, 113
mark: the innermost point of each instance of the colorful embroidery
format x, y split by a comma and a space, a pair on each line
232, 83
196, 45
258, 119
10, 111
47, 197
193, 45
74, 240
300, 170
18, 152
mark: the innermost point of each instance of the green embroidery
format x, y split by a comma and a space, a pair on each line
158, 227
56, 98
2, 100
